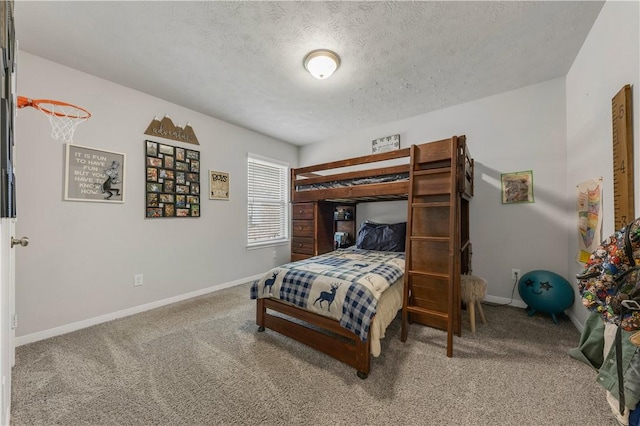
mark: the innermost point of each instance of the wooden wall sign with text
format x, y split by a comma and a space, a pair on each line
622, 120
166, 129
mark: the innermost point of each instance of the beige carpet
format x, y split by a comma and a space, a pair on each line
202, 362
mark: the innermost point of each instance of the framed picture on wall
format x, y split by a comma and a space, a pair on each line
218, 185
172, 181
517, 187
388, 143
93, 175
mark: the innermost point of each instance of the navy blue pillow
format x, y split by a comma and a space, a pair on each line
382, 236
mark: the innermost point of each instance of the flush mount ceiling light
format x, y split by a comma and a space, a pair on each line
321, 63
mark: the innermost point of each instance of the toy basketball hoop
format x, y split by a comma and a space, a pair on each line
64, 117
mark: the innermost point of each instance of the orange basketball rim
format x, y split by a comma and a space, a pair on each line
53, 107
64, 117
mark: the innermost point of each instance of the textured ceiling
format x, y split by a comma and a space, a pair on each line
242, 61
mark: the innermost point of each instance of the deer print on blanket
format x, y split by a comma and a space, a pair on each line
270, 282
328, 296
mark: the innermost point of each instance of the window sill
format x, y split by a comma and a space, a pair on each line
267, 244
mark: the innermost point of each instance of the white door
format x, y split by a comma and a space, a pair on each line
7, 207
8, 317
8, 245
7, 313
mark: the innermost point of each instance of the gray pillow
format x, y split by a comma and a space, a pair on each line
382, 236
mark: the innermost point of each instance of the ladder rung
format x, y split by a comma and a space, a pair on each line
434, 204
431, 171
435, 239
419, 310
432, 193
429, 274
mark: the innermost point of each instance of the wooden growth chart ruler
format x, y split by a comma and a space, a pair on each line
623, 199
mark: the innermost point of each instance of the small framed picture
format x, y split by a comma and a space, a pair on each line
517, 187
152, 149
152, 199
154, 162
94, 175
154, 212
218, 185
154, 187
168, 162
388, 143
166, 149
152, 174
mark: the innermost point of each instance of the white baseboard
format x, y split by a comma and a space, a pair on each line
517, 303
575, 321
45, 334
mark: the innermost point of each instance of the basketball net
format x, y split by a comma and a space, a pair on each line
64, 117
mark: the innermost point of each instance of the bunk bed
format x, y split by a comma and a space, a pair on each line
437, 180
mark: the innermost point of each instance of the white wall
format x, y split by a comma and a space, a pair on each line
608, 60
519, 130
82, 257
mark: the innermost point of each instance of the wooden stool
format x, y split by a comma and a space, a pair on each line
472, 291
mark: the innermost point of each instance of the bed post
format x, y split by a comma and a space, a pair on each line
363, 357
406, 318
260, 313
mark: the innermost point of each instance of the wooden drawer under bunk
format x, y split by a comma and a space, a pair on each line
302, 245
302, 211
302, 228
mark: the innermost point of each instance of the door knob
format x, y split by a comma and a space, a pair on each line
24, 241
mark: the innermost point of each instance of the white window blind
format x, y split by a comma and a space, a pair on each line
268, 203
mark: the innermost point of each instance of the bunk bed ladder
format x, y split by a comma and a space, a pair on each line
432, 255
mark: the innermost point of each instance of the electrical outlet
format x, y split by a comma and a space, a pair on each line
274, 254
515, 274
138, 279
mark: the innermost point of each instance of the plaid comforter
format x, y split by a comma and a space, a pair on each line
344, 285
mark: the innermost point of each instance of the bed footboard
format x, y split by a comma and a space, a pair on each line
327, 336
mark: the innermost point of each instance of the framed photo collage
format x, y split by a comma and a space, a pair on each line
173, 181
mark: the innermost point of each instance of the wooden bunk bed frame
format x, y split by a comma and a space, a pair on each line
438, 189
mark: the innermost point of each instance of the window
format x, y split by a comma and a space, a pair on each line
268, 204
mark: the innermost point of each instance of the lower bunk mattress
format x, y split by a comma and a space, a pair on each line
361, 289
